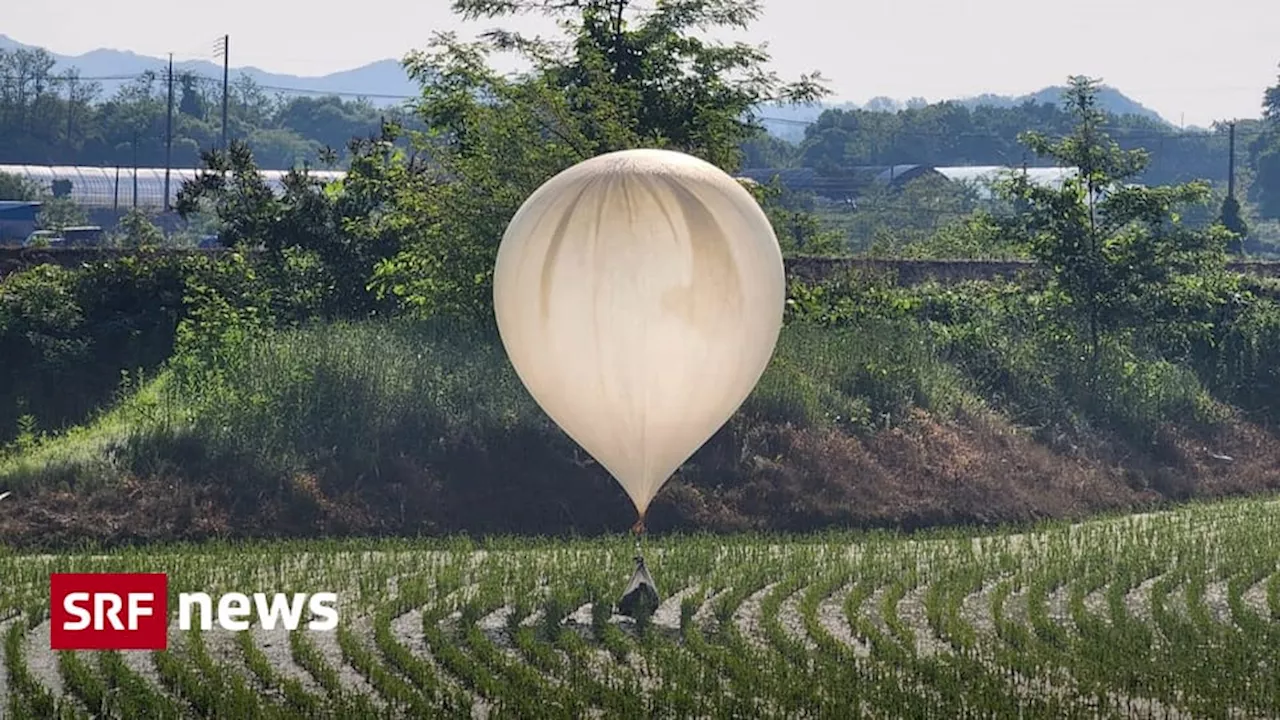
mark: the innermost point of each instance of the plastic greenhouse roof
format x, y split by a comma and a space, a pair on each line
107, 187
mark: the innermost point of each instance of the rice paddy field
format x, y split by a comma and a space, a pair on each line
1168, 615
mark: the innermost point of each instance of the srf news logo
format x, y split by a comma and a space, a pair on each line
130, 611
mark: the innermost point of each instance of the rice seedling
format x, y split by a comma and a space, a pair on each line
1169, 615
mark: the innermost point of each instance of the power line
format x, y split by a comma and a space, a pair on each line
764, 118
1119, 133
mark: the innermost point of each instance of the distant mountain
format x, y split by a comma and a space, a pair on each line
789, 121
1109, 99
384, 82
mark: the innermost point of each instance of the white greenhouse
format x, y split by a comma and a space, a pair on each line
112, 187
984, 177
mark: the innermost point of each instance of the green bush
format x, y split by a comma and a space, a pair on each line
1031, 363
69, 336
1245, 371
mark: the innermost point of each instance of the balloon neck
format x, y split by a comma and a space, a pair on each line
637, 531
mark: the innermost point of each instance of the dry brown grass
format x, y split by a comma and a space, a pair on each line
976, 470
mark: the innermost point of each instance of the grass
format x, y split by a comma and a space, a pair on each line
408, 428
350, 396
1167, 615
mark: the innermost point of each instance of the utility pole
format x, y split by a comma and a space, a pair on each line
135, 169
71, 109
168, 136
226, 74
1231, 161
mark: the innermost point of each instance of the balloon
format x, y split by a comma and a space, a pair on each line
639, 296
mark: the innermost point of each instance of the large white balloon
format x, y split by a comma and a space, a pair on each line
639, 295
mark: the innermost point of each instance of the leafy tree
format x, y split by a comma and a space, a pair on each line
331, 234
192, 101
1271, 104
949, 133
799, 229
1119, 256
616, 79
1266, 184
58, 213
17, 187
327, 121
767, 151
1233, 221
240, 198
136, 229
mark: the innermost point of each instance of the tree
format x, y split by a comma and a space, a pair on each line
1271, 104
192, 101
59, 213
617, 79
1232, 220
338, 228
136, 229
1266, 184
328, 121
1118, 254
17, 187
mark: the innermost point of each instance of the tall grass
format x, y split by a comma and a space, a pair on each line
352, 397
859, 377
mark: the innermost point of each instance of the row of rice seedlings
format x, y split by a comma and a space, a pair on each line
1061, 656
1122, 654
789, 661
890, 672
465, 650
402, 698
84, 685
132, 695
1092, 554
743, 668
438, 691
962, 684
1233, 656
653, 672
310, 659
28, 698
1156, 661
617, 689
275, 682
613, 688
672, 675
521, 689
1257, 629
214, 688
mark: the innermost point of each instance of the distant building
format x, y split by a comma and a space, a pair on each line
984, 177
846, 185
840, 187
114, 188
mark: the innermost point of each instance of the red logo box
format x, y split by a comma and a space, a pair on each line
108, 611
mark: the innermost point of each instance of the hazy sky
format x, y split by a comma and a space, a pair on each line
1187, 60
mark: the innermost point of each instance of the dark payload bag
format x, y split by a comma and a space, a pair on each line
641, 595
